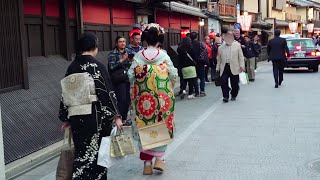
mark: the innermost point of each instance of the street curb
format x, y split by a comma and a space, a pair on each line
36, 159
25, 164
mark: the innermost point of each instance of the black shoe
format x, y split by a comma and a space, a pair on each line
280, 83
202, 94
197, 95
225, 100
251, 80
233, 99
276, 86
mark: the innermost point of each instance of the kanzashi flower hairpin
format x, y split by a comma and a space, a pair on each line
148, 26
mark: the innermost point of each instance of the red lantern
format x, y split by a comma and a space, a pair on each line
184, 33
212, 35
138, 31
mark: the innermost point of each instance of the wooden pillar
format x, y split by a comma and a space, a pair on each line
65, 38
169, 29
112, 36
44, 28
79, 18
23, 47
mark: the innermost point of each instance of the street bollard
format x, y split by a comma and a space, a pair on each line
2, 167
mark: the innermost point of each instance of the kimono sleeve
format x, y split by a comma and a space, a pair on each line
173, 72
131, 73
63, 112
105, 93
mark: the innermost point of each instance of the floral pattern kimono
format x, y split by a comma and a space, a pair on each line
87, 130
152, 94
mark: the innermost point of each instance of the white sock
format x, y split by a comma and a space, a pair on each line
147, 163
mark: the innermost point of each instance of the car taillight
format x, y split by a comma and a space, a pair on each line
315, 53
298, 47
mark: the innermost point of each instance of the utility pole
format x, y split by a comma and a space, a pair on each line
2, 167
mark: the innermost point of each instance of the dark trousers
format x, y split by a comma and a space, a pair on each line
234, 79
191, 84
201, 75
183, 84
278, 68
212, 71
122, 91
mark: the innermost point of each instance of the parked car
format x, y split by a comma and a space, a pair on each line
288, 36
303, 53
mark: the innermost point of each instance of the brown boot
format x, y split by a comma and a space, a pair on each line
159, 165
147, 169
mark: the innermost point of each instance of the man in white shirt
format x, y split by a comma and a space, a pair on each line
230, 63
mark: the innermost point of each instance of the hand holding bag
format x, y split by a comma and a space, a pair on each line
65, 164
121, 145
243, 78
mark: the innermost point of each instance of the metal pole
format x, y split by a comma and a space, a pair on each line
2, 166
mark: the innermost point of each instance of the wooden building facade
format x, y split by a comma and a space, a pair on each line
51, 27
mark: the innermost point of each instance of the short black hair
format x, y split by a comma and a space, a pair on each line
119, 37
277, 32
194, 36
135, 34
88, 41
152, 36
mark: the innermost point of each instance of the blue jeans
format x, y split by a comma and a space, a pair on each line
201, 73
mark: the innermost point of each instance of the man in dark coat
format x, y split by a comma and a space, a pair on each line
278, 53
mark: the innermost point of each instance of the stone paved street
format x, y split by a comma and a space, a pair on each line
267, 134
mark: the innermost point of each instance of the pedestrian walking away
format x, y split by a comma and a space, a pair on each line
230, 63
250, 58
188, 67
200, 55
118, 65
278, 52
153, 75
90, 116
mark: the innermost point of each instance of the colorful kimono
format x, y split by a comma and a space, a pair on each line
152, 94
87, 130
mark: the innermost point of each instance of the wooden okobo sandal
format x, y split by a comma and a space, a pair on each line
159, 165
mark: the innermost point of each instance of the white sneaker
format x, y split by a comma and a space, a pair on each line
184, 92
191, 96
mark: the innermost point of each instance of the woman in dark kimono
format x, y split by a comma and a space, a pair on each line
87, 130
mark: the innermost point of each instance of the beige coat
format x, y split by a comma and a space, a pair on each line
236, 61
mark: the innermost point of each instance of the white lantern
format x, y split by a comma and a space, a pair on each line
310, 27
293, 26
245, 22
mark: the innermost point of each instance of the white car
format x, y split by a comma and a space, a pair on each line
289, 36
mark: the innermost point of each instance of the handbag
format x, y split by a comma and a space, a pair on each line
155, 135
119, 76
65, 164
190, 71
121, 145
217, 80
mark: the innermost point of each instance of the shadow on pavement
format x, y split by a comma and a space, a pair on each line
298, 70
